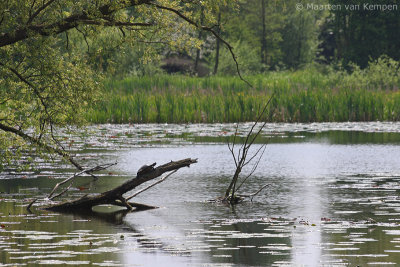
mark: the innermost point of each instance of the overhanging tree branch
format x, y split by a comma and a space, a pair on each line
40, 9
71, 22
38, 142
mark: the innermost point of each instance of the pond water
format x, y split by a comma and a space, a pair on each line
332, 200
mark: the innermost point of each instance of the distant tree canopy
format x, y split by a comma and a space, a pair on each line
367, 33
272, 35
53, 52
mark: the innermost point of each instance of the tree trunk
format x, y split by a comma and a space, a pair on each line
217, 46
231, 187
263, 35
200, 36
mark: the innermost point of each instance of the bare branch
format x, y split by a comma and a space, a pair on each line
51, 197
263, 146
243, 151
94, 169
150, 186
231, 149
255, 193
63, 191
256, 122
125, 202
255, 166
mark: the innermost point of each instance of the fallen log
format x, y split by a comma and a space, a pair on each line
115, 196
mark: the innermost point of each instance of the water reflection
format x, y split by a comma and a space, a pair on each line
332, 201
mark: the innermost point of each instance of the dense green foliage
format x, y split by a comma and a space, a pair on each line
302, 96
53, 55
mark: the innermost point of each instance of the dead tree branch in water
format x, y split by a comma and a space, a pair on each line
253, 194
115, 195
150, 186
240, 157
71, 179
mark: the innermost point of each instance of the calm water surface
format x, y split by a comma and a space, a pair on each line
332, 200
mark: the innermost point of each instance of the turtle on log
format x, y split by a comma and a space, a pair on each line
146, 169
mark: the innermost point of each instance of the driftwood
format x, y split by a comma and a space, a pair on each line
115, 196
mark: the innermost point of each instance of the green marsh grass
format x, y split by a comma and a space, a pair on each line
301, 96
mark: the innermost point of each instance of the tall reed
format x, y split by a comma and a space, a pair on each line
302, 96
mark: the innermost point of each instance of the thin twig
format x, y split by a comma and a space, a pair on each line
263, 145
255, 193
240, 158
30, 204
96, 168
62, 192
254, 168
150, 186
233, 146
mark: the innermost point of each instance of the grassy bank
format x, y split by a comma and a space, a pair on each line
302, 96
